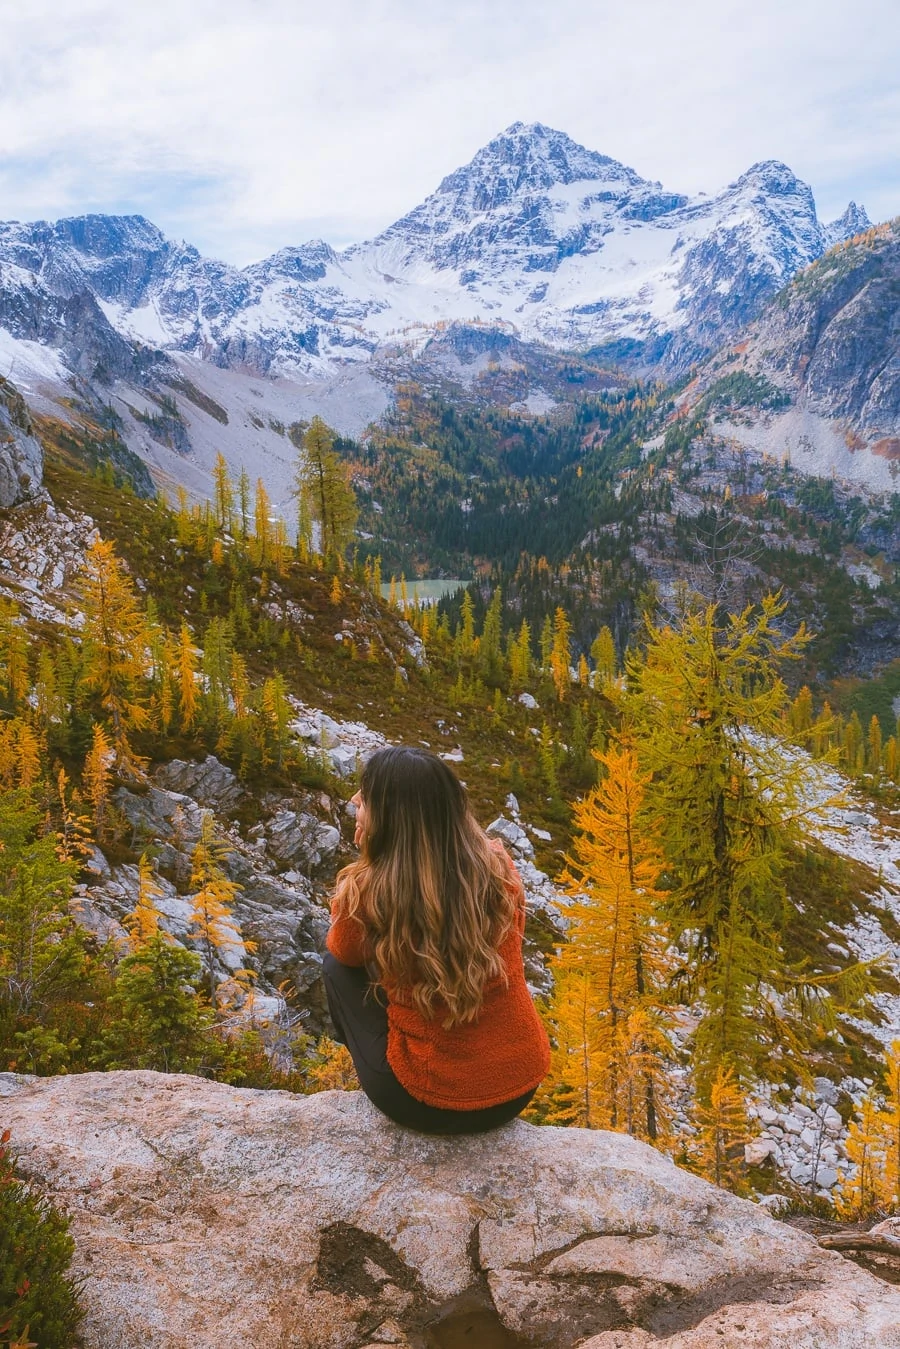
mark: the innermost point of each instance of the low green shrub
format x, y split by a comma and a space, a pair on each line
38, 1297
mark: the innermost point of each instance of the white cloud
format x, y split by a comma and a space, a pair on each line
244, 126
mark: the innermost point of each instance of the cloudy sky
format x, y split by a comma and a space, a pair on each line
246, 126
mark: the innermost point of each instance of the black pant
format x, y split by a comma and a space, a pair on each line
360, 1020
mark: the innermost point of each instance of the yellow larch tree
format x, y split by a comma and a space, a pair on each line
187, 667
262, 525
330, 1068
607, 1014
166, 679
864, 1189
325, 495
74, 831
892, 1124
603, 654
212, 922
143, 921
97, 777
561, 654
722, 1131
223, 493
575, 1090
114, 648
20, 754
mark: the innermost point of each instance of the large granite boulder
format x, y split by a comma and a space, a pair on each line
209, 1216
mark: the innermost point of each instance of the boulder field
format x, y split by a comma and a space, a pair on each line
215, 1217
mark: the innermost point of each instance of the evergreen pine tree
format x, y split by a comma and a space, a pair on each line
325, 496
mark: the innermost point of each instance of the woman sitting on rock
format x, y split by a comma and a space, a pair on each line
424, 972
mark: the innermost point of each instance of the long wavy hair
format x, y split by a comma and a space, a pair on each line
436, 900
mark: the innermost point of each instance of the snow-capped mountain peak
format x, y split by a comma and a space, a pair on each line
529, 158
558, 243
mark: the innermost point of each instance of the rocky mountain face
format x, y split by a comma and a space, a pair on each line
854, 221
207, 1215
21, 456
816, 377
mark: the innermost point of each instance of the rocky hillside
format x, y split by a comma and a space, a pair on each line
815, 378
21, 456
210, 1216
283, 833
357, 677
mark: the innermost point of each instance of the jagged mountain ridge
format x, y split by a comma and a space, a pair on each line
816, 377
568, 246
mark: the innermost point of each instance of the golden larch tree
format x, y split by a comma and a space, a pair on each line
607, 1016
97, 777
114, 647
561, 654
223, 493
864, 1189
212, 922
188, 666
723, 1129
892, 1124
143, 921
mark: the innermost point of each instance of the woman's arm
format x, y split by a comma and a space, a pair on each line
346, 938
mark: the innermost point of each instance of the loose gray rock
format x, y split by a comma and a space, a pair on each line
298, 839
208, 1215
210, 783
159, 814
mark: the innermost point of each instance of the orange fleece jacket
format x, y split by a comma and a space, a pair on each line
500, 1056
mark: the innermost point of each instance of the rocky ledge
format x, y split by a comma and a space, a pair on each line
212, 1216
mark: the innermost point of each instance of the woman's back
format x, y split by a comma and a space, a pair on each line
434, 913
500, 1054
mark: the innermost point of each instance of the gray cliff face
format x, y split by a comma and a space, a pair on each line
832, 338
21, 456
854, 221
828, 348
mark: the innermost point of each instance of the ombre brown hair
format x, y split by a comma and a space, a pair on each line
435, 898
